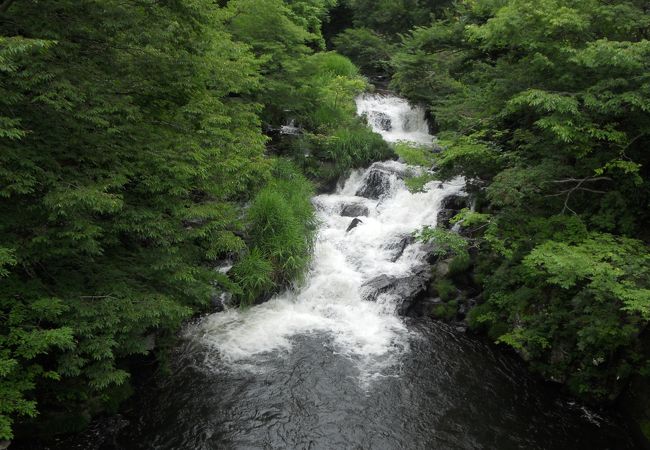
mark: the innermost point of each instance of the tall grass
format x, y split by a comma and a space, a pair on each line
281, 229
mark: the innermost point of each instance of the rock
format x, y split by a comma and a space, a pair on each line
431, 252
454, 202
376, 184
406, 289
444, 216
354, 210
378, 179
355, 222
398, 246
220, 300
461, 328
399, 171
382, 120
449, 207
425, 307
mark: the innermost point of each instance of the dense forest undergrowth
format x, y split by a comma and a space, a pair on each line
135, 157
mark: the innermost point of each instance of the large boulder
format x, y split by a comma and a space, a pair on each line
354, 210
407, 289
378, 179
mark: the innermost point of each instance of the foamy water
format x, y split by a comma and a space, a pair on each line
330, 300
394, 118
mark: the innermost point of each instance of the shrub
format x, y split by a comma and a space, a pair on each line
446, 289
415, 155
446, 311
253, 274
460, 264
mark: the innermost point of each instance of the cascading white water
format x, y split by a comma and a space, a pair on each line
394, 118
330, 300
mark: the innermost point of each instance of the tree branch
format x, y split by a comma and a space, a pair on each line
577, 187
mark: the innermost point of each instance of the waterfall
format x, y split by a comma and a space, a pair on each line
331, 299
394, 118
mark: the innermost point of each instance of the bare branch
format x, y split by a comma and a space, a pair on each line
578, 187
580, 180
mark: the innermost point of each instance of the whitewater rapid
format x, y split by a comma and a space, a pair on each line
331, 298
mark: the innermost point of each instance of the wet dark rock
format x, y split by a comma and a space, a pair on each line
378, 180
398, 246
444, 217
431, 252
220, 300
400, 172
376, 184
441, 268
382, 120
355, 222
354, 210
449, 207
407, 289
425, 307
454, 202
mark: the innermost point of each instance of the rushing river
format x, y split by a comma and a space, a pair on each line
322, 368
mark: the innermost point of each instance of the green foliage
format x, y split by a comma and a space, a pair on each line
420, 156
543, 107
254, 275
468, 218
418, 182
460, 264
369, 50
415, 155
472, 158
611, 269
446, 311
281, 227
328, 156
446, 242
394, 16
131, 143
446, 289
